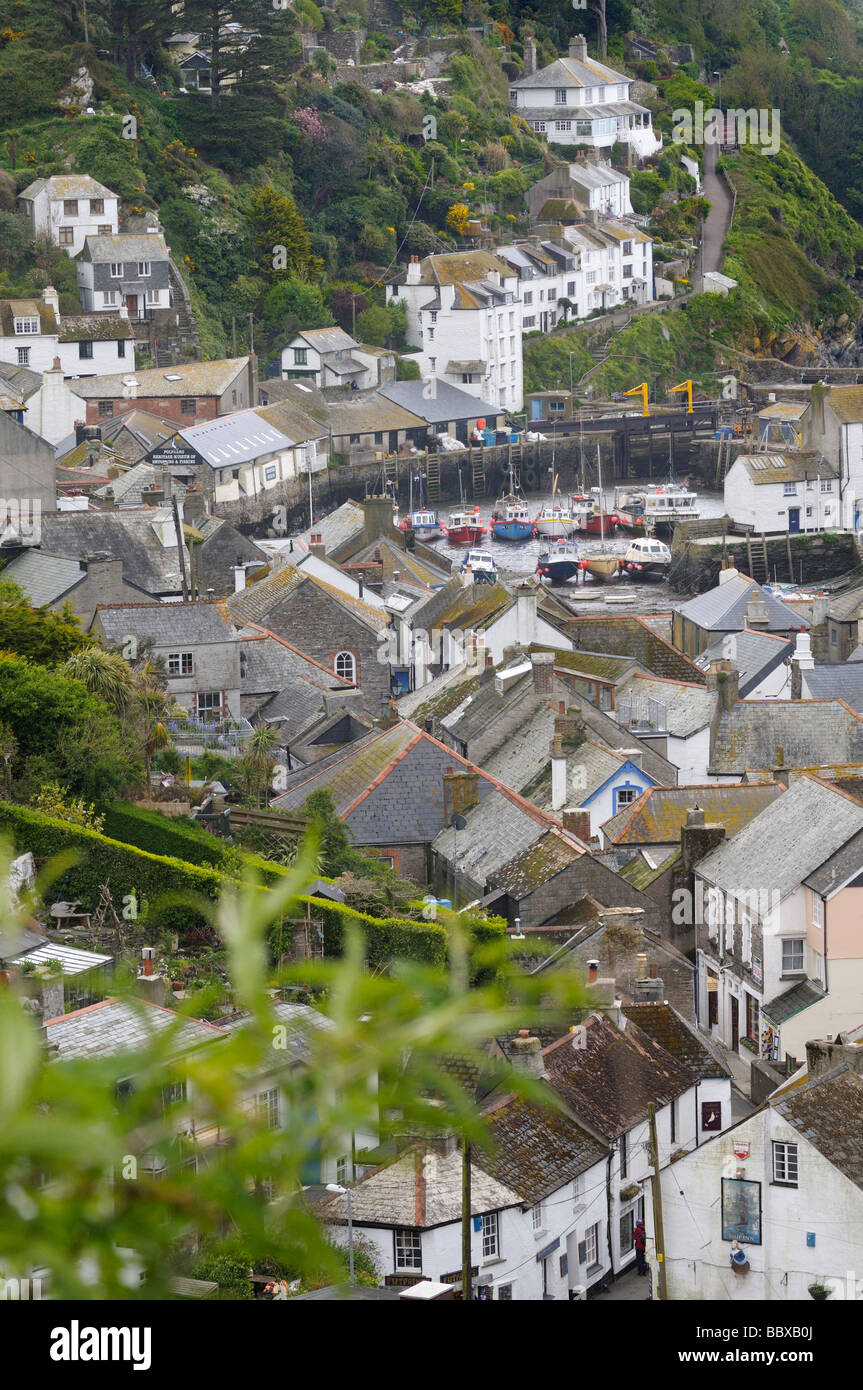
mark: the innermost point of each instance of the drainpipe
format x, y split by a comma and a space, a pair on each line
608, 1223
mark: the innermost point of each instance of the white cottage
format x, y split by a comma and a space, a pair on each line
579, 101
793, 492
68, 208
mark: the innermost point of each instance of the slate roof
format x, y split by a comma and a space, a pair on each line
536, 865
847, 606
344, 524
570, 72
299, 1021
347, 774
201, 622
641, 874
449, 402
146, 246
536, 1151
659, 814
192, 379
602, 666
68, 186
597, 763
125, 535
253, 603
326, 339
608, 1083
499, 829
628, 635
756, 654
724, 608
410, 1192
116, 1027
19, 383
688, 708
828, 1113
127, 487
787, 842
764, 469
94, 327
43, 578
793, 1001
840, 682
664, 1025
457, 267
846, 402
758, 735
372, 414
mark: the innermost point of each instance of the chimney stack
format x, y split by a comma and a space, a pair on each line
543, 672
413, 272
460, 793
239, 578
529, 67
316, 545
823, 1056
756, 612
526, 1054
577, 822
592, 971
558, 774
724, 677
578, 48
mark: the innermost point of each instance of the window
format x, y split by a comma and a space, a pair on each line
105, 231
626, 795
121, 347
560, 95
23, 357
209, 701
379, 436
301, 357
342, 1168
106, 408
430, 334
591, 1245
345, 666
504, 1293
627, 1232
144, 268
116, 270
826, 486
409, 1250
527, 298
267, 1108
746, 942
70, 207
552, 294
712, 1001
173, 1094
466, 378
85, 350
188, 405
270, 473
180, 664
624, 1156
751, 1017
97, 207
570, 287
109, 298
152, 296
563, 125
817, 911
537, 1216
627, 248
539, 127
26, 326
672, 1113
792, 956
489, 1236
591, 277
66, 236
627, 272
789, 489
785, 1164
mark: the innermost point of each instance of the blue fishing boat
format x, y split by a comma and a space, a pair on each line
510, 520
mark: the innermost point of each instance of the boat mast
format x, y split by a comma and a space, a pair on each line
601, 497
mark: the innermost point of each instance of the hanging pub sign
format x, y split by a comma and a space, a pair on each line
741, 1148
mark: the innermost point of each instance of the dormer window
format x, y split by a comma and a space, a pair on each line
23, 325
560, 96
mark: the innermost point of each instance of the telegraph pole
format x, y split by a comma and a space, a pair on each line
659, 1234
181, 552
466, 1285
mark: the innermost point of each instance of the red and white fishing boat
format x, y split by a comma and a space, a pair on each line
464, 527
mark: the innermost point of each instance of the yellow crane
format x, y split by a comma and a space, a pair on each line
687, 387
642, 392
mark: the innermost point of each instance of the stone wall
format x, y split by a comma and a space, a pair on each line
341, 44
815, 558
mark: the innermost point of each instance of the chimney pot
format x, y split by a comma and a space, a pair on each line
592, 970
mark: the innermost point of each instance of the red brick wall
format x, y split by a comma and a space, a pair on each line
166, 407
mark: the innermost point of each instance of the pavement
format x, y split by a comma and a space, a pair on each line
631, 1287
715, 189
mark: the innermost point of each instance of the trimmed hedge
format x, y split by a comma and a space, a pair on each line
127, 869
171, 835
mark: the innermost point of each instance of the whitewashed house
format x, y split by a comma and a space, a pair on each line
331, 357
579, 101
548, 282
465, 315
673, 716
793, 492
241, 455
33, 334
774, 1206
67, 208
596, 779
776, 908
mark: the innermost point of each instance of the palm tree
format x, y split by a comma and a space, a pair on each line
154, 705
105, 674
256, 765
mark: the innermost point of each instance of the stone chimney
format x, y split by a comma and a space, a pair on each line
578, 48
487, 669
108, 502
529, 56
51, 300
193, 505
578, 824
697, 839
558, 774
460, 793
729, 572
823, 1056
724, 678
571, 728
239, 578
648, 990
413, 272
543, 672
801, 661
525, 1054
378, 513
756, 612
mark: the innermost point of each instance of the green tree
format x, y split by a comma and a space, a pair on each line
281, 237
293, 304
39, 634
105, 674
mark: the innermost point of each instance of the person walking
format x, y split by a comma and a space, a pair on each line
640, 1241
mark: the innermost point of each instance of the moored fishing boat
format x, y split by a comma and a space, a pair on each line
554, 521
603, 566
510, 520
465, 528
647, 558
560, 562
425, 525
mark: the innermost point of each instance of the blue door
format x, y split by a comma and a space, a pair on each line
536, 410
793, 520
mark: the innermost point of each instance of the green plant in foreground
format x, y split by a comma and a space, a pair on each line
75, 1192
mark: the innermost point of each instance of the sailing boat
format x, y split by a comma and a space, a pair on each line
604, 565
424, 522
510, 520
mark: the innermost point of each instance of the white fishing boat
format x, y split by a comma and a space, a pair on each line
647, 558
554, 521
668, 503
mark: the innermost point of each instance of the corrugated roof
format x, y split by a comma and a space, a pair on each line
235, 439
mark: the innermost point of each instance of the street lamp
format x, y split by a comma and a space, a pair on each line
340, 1191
